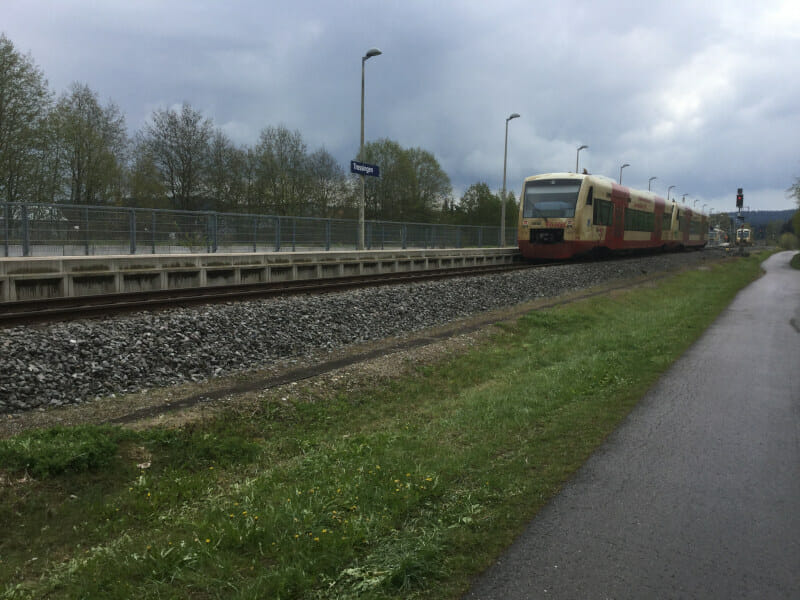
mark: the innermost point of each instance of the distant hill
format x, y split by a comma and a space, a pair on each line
764, 217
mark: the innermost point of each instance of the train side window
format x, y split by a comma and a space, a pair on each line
590, 196
603, 212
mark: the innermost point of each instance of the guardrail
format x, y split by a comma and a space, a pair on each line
33, 229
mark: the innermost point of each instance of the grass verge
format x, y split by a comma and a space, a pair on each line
402, 490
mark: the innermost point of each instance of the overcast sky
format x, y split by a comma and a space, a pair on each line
704, 96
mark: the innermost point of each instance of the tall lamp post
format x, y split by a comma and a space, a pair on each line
578, 155
370, 53
620, 172
668, 189
649, 181
503, 198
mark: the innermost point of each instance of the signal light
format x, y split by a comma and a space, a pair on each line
739, 198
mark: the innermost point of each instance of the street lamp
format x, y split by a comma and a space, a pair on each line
649, 181
370, 53
578, 154
668, 189
683, 198
620, 172
503, 198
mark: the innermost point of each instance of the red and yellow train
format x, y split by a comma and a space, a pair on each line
744, 237
562, 215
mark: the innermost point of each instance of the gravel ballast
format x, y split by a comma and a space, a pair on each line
70, 363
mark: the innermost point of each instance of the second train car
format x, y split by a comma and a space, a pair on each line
562, 215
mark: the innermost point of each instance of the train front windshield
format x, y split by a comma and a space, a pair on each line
550, 198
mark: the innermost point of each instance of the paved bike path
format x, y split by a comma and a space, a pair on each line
697, 494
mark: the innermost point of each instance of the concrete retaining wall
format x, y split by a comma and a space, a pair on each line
65, 277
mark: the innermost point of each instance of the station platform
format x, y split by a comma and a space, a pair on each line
40, 278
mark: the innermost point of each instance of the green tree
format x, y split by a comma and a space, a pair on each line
92, 145
24, 102
479, 206
412, 185
145, 182
432, 188
385, 196
795, 190
512, 211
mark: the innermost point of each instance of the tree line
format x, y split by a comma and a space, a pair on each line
74, 149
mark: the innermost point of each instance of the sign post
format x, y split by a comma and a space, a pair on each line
363, 169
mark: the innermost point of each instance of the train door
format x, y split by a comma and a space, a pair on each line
686, 226
658, 219
620, 198
619, 220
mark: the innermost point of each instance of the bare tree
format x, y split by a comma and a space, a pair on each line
178, 145
282, 180
328, 189
24, 101
227, 174
92, 143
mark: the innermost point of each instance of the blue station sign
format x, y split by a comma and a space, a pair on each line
364, 169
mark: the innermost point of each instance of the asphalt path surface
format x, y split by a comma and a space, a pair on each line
697, 494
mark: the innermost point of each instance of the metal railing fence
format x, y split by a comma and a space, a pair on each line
33, 229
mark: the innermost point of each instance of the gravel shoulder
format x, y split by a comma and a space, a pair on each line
326, 344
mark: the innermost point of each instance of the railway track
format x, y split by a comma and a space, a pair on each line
62, 309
